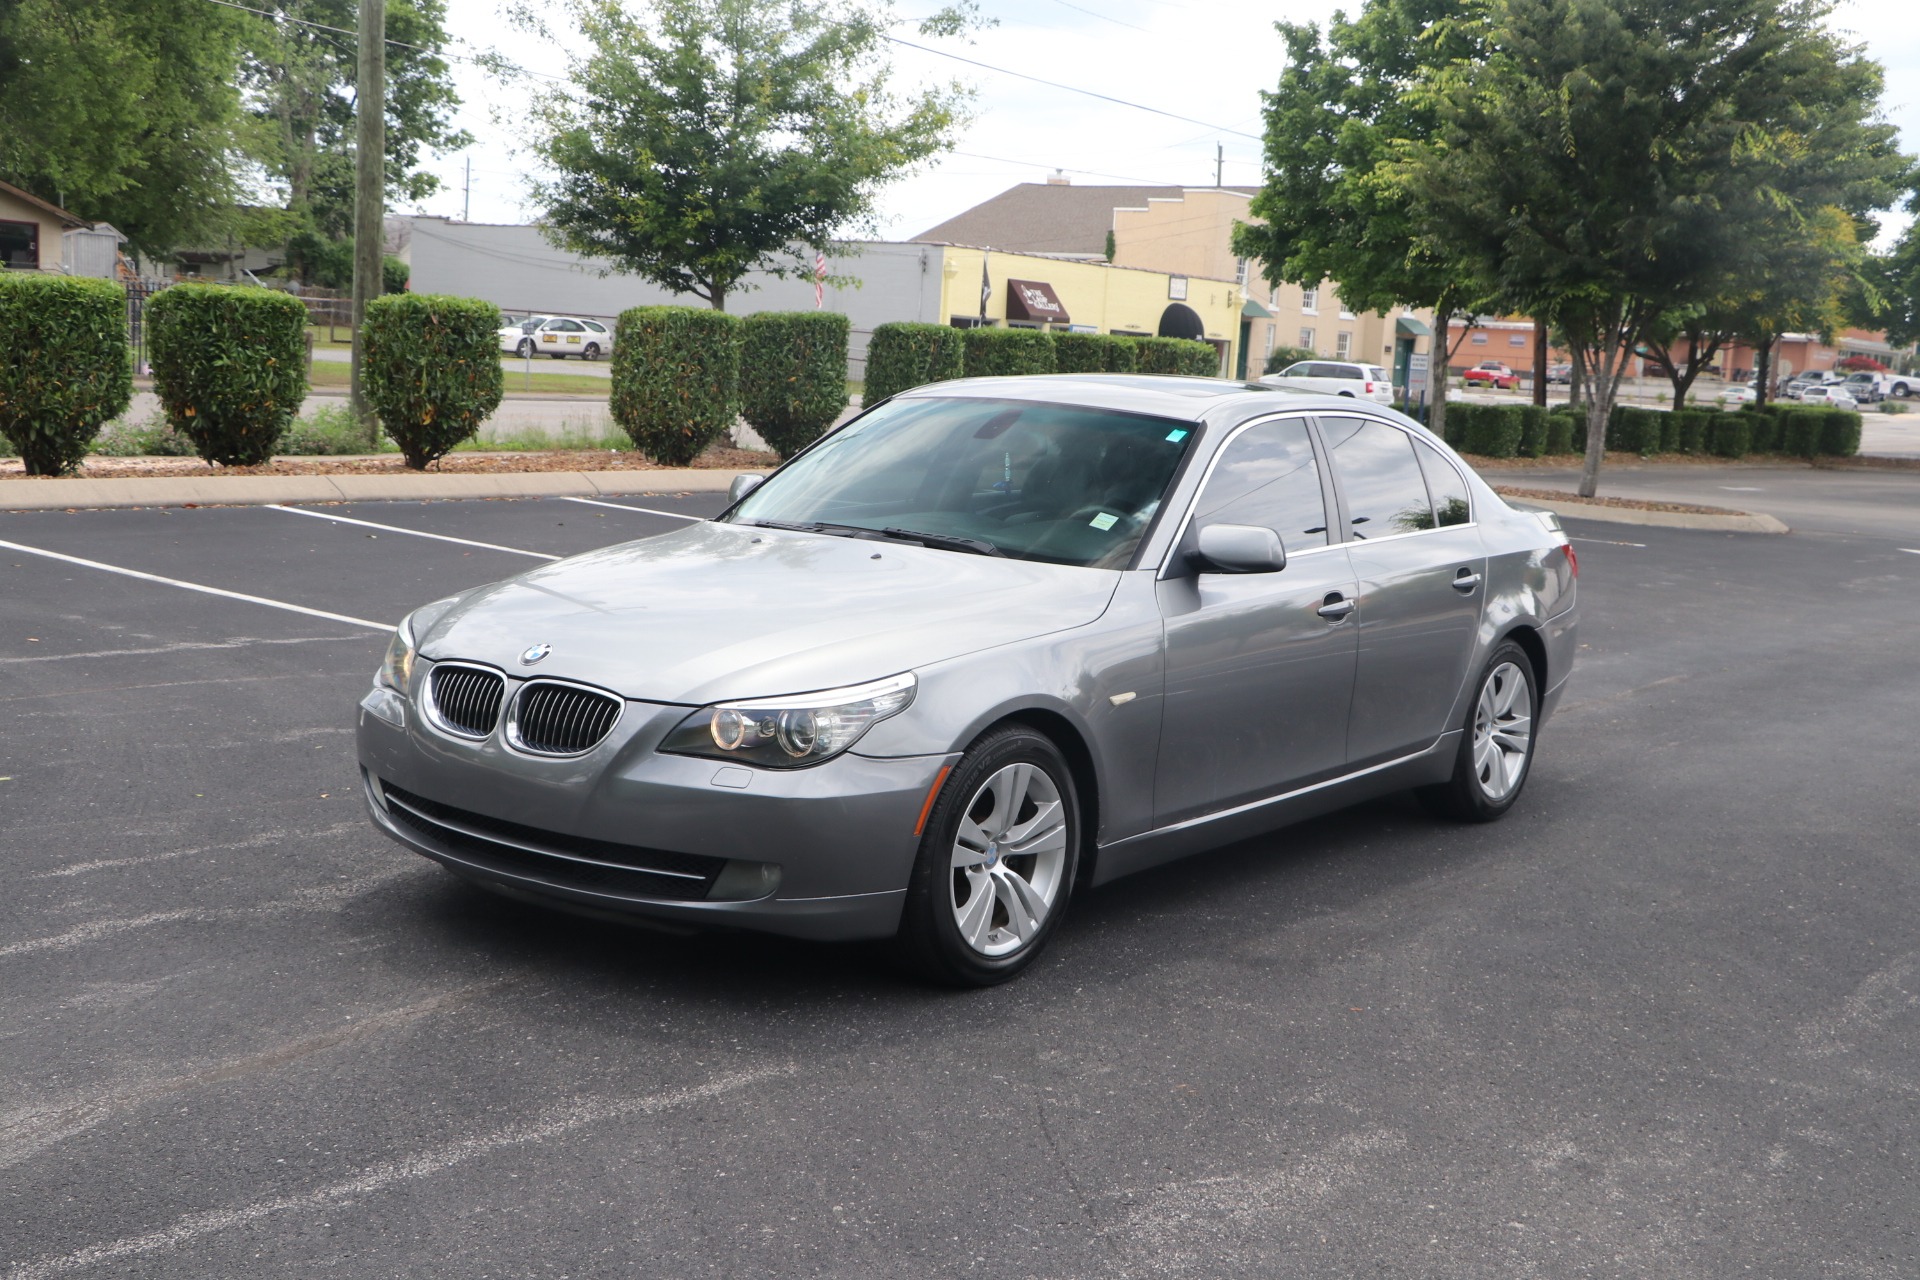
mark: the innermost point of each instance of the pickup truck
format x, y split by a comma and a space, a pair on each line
1868, 387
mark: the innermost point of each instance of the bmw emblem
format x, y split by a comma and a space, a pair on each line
534, 654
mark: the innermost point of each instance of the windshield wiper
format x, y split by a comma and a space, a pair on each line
796, 526
945, 542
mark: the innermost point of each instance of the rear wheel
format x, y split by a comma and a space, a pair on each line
592, 352
1496, 747
526, 348
996, 863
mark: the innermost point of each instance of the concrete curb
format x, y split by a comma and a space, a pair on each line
222, 491
1732, 522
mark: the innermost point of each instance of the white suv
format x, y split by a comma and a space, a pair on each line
1336, 377
1833, 397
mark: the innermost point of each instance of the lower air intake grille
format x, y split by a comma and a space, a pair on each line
551, 719
466, 699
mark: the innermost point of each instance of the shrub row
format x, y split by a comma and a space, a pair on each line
64, 366
902, 356
1803, 431
1507, 430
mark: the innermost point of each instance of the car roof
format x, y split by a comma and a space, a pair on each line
1186, 399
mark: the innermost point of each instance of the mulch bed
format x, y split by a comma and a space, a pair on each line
1630, 504
716, 459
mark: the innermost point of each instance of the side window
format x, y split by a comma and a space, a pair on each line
570, 326
1448, 490
1380, 477
596, 326
1267, 476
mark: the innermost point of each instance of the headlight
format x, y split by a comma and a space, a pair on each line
788, 733
397, 666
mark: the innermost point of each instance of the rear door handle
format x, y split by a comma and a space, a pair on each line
1337, 607
1465, 581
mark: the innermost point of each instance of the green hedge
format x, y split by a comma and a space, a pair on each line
1533, 429
1180, 356
1486, 430
793, 375
1562, 430
1840, 433
431, 370
999, 353
676, 379
1731, 435
229, 367
65, 371
1763, 427
1082, 352
1636, 430
1691, 428
903, 355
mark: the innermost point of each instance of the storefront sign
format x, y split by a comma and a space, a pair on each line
1034, 300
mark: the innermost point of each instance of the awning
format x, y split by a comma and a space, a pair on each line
1034, 300
1251, 310
1411, 327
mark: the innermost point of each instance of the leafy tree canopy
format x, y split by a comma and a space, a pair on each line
711, 139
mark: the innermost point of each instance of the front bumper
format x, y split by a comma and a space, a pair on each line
820, 853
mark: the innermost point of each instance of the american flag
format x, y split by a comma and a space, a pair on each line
819, 280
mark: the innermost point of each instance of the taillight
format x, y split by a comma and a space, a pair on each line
1369, 388
1573, 561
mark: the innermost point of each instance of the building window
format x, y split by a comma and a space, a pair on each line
1240, 271
1517, 340
1479, 339
1306, 340
20, 245
1342, 345
1310, 300
969, 322
1344, 313
1270, 332
1273, 296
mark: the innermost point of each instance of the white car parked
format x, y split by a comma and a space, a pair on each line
1833, 397
1737, 395
1337, 378
557, 336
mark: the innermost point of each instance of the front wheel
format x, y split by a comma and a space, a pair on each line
592, 352
526, 348
1496, 747
996, 863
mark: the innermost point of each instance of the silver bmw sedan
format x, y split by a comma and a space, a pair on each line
990, 643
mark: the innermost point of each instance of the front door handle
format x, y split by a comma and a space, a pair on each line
1337, 607
1465, 581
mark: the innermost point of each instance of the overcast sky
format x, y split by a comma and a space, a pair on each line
1203, 59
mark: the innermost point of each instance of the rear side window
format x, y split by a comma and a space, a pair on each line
1386, 494
1267, 476
1377, 374
1444, 485
1297, 371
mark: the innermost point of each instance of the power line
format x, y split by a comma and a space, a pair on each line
1054, 84
1091, 173
402, 44
1103, 17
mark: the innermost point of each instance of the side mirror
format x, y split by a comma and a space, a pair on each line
1240, 548
741, 487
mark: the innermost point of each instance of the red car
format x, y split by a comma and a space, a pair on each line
1491, 373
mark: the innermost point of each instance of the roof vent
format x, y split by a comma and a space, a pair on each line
1059, 178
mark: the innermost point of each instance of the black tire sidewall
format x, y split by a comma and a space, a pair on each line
1466, 800
928, 930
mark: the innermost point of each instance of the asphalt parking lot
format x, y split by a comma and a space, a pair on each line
1659, 1022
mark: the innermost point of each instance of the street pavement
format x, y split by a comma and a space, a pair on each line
1658, 1022
1831, 500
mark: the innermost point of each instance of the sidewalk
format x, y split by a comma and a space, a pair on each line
21, 494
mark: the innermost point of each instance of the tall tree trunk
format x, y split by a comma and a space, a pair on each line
1540, 361
1437, 360
1605, 343
1763, 371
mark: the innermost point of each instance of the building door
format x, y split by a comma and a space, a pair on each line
1246, 341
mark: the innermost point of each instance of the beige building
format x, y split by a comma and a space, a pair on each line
1186, 232
38, 235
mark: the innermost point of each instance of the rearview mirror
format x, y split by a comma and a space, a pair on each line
742, 486
1240, 548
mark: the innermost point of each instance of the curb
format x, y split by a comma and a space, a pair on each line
1732, 522
221, 491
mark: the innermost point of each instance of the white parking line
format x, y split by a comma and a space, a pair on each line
195, 586
1912, 551
394, 528
621, 506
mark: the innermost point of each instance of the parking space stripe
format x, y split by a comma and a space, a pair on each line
416, 533
622, 506
200, 587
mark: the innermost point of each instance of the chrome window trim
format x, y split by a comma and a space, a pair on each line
510, 717
1414, 442
429, 705
1186, 518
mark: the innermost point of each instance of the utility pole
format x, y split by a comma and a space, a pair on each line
466, 204
1219, 163
369, 189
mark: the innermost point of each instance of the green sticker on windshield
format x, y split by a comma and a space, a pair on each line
1176, 436
1104, 521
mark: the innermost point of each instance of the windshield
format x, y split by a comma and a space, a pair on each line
1045, 482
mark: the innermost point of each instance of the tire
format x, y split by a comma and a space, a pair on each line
1902, 390
592, 352
525, 351
1483, 788
949, 931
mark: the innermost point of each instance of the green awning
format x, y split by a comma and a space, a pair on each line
1411, 327
1251, 310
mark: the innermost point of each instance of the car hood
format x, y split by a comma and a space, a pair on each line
715, 612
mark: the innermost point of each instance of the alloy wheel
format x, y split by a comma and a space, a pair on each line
1502, 731
1009, 857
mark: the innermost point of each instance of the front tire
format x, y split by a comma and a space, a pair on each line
996, 864
1496, 746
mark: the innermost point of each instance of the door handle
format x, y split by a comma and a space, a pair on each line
1337, 607
1465, 581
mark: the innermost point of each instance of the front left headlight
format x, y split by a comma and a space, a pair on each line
790, 732
397, 667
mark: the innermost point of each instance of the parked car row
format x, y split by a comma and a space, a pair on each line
556, 336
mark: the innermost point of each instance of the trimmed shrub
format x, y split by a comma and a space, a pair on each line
229, 366
1123, 354
1634, 430
1533, 429
394, 274
1280, 357
793, 375
903, 355
1494, 431
1763, 427
431, 370
65, 372
1087, 352
676, 379
1561, 430
1180, 356
1840, 433
1690, 430
1003, 353
1731, 434
1800, 431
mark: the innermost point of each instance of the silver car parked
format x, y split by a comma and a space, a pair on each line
990, 643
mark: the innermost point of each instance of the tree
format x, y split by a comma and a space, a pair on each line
1895, 306
300, 73
716, 138
127, 112
1613, 161
1329, 207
